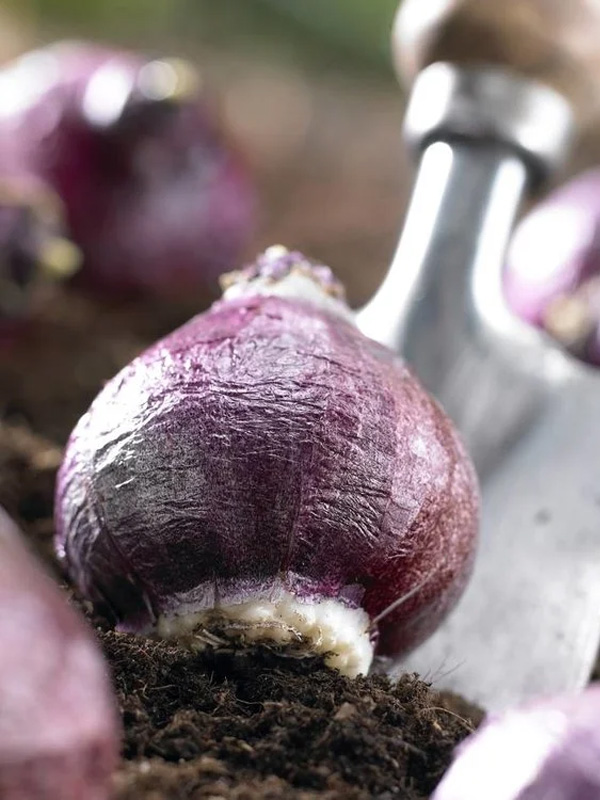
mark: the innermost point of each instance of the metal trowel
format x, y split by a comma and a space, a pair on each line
499, 89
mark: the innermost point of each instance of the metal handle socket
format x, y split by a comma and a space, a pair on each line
490, 104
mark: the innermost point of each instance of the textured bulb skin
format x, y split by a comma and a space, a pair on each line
158, 201
58, 727
266, 443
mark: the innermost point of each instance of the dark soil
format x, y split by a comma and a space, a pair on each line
257, 724
226, 725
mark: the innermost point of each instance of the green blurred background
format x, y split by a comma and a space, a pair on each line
304, 87
345, 33
351, 31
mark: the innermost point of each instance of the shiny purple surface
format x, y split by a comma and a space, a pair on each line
545, 751
58, 726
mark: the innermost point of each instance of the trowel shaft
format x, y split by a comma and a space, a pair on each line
484, 138
464, 203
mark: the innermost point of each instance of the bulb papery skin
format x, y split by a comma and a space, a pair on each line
267, 446
155, 197
552, 275
59, 734
549, 750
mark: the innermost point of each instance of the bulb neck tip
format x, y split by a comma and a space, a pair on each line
276, 264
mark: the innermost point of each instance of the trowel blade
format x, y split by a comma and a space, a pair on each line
529, 623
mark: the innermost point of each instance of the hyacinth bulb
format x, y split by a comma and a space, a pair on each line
268, 472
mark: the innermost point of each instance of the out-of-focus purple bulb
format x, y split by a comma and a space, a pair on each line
33, 250
155, 197
59, 730
547, 750
552, 276
267, 471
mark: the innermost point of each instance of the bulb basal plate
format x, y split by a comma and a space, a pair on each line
329, 628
